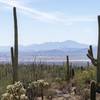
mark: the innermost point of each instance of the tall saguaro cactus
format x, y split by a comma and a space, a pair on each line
98, 55
14, 51
96, 62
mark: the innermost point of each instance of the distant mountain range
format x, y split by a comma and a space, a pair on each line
49, 46
56, 45
50, 49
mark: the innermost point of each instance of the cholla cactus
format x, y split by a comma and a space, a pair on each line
15, 92
33, 84
43, 83
39, 84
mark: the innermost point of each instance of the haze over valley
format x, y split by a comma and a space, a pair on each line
48, 52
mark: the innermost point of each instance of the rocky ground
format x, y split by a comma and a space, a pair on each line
69, 92
72, 96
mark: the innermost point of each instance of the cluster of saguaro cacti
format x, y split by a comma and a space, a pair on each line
96, 62
70, 70
14, 50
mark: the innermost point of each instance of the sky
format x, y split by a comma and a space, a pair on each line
42, 21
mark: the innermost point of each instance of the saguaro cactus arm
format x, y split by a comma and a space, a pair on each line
12, 56
91, 57
13, 65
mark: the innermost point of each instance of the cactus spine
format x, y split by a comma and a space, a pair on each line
14, 51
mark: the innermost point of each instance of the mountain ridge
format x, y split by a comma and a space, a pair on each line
49, 46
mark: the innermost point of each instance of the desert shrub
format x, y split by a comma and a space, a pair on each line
81, 77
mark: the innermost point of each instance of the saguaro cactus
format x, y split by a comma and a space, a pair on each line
98, 55
14, 51
93, 91
95, 62
68, 68
72, 73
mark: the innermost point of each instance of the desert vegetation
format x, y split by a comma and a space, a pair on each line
49, 81
39, 81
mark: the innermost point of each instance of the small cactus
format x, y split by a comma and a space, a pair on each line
93, 90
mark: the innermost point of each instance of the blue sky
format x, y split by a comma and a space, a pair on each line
42, 21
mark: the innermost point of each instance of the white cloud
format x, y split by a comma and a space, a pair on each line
55, 17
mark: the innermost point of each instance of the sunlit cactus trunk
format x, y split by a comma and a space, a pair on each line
14, 51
